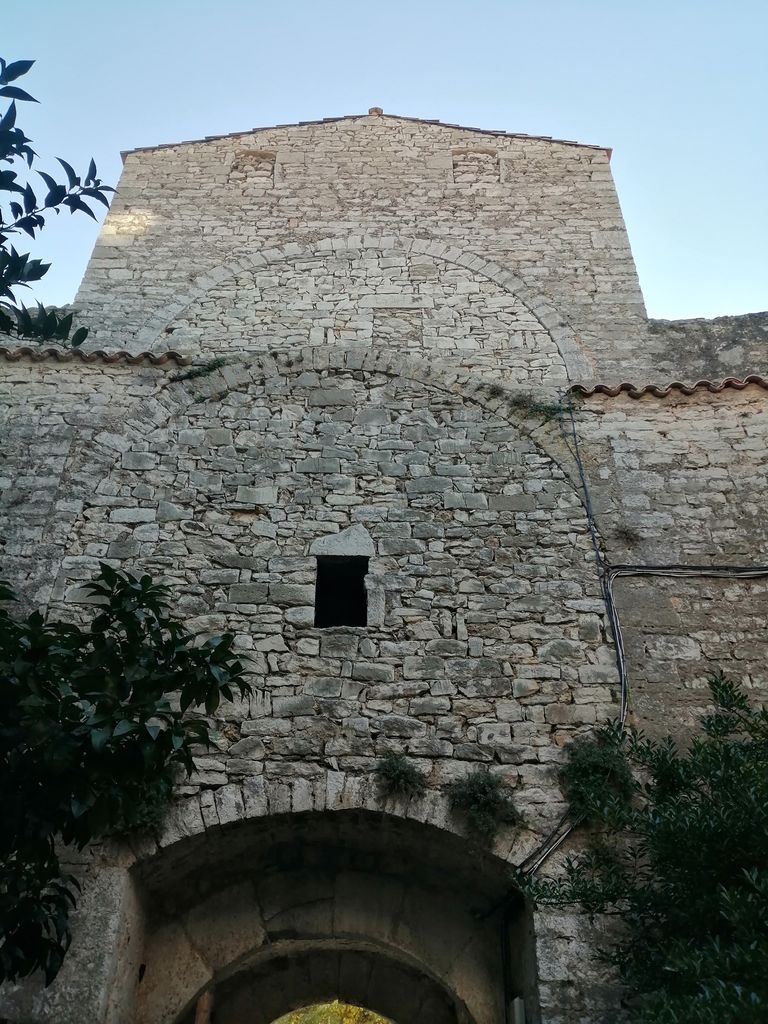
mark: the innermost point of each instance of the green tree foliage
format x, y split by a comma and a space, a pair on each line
24, 209
92, 730
332, 1013
682, 858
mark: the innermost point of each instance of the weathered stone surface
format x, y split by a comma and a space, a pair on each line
256, 495
387, 380
248, 593
354, 541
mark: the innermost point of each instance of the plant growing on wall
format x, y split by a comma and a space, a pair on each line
680, 853
484, 801
24, 209
92, 730
597, 777
397, 776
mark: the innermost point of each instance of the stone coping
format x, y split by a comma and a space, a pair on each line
373, 112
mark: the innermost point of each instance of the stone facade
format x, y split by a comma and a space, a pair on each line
383, 321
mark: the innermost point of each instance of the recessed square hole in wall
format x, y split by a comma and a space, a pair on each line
400, 328
340, 598
475, 166
253, 168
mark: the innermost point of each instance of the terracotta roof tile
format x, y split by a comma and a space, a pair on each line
661, 391
68, 355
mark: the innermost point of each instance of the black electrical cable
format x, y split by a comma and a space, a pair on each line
559, 834
607, 575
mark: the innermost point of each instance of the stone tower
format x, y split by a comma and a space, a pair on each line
355, 392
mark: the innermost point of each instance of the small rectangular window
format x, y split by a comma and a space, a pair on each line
340, 591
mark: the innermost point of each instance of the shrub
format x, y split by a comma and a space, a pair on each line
684, 863
597, 777
397, 776
485, 803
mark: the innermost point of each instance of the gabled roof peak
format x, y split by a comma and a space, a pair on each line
373, 112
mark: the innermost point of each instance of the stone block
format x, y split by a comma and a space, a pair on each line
291, 593
399, 725
423, 668
256, 495
323, 397
139, 460
324, 687
168, 512
290, 707
248, 593
302, 616
218, 436
318, 466
428, 485
251, 746
132, 515
373, 673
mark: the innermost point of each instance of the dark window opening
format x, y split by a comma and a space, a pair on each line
340, 591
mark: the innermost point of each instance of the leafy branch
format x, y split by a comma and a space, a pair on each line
92, 731
23, 210
679, 851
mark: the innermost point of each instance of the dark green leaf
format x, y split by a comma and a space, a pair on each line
12, 92
73, 179
75, 203
15, 70
8, 120
100, 738
30, 200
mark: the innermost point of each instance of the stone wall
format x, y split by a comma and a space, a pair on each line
679, 481
407, 301
49, 413
549, 219
694, 349
484, 611
681, 478
383, 316
487, 646
678, 633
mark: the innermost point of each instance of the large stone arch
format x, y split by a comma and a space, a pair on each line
245, 806
150, 337
275, 912
300, 674
89, 463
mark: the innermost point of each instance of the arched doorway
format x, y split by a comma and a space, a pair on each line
375, 988
267, 916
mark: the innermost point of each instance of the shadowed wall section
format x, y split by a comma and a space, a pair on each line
369, 908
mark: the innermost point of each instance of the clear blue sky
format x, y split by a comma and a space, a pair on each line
678, 88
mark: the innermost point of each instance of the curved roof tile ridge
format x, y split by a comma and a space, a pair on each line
66, 355
661, 391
